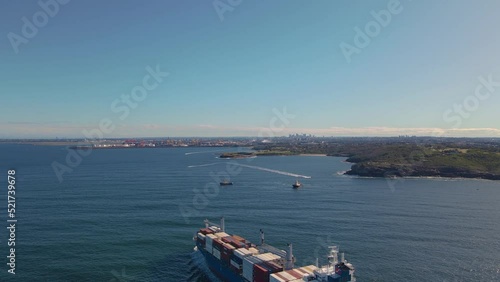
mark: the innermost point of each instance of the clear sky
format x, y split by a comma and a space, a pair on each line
228, 69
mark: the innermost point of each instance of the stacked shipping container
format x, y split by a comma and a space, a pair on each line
235, 259
257, 268
209, 238
296, 274
242, 258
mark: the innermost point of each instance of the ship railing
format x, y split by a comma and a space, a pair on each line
209, 223
325, 269
270, 249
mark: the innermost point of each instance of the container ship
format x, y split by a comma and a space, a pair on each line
233, 259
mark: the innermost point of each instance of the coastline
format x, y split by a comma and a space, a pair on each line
48, 143
399, 178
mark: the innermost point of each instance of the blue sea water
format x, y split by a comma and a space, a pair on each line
130, 215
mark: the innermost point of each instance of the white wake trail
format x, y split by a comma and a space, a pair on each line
203, 165
274, 171
256, 167
203, 152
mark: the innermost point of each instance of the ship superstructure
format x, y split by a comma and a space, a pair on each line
233, 259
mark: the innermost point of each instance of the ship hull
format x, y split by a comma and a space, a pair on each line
221, 271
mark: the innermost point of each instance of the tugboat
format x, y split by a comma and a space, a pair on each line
225, 182
297, 184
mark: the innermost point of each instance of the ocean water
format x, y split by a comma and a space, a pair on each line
130, 215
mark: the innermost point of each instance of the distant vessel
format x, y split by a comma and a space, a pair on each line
297, 184
234, 259
225, 182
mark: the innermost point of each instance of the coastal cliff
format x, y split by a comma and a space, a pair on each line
368, 169
403, 159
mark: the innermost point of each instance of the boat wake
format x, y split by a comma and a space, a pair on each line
203, 152
191, 166
256, 167
198, 265
274, 171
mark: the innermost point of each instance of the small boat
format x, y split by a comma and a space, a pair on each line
225, 182
297, 184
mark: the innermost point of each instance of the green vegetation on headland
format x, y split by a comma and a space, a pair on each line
372, 156
412, 160
241, 155
400, 158
237, 155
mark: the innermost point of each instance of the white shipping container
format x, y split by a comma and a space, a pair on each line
235, 264
276, 278
208, 242
209, 238
289, 275
282, 277
248, 263
302, 271
242, 252
254, 251
228, 246
267, 257
310, 268
216, 253
201, 236
247, 270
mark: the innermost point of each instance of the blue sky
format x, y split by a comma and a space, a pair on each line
226, 75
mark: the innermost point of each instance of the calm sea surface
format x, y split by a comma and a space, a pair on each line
129, 215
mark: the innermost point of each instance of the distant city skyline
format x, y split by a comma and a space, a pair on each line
156, 68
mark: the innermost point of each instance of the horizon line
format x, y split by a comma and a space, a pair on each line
248, 137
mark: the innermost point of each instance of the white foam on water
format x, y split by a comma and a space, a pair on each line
273, 171
203, 152
258, 168
198, 260
191, 166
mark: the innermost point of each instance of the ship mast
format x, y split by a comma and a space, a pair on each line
222, 224
289, 258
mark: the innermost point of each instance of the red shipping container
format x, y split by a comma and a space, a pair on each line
273, 266
225, 257
217, 244
238, 238
295, 274
227, 250
260, 273
206, 231
237, 244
